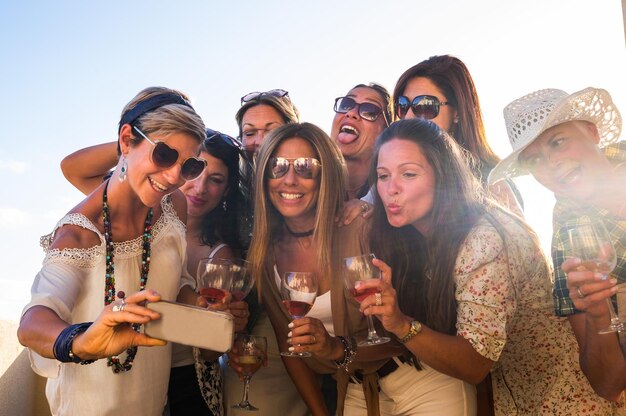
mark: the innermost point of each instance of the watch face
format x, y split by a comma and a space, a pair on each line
414, 329
417, 326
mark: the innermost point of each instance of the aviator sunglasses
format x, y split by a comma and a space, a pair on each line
164, 157
367, 111
423, 106
278, 93
305, 167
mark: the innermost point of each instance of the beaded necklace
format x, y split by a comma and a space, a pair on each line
109, 277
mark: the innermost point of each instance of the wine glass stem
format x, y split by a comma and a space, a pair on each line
246, 388
371, 331
614, 318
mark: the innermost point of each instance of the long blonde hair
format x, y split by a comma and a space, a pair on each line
332, 190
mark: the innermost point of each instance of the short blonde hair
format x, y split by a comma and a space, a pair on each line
169, 118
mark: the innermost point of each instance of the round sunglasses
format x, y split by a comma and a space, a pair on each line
165, 157
424, 106
367, 111
305, 167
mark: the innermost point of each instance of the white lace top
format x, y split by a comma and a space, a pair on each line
71, 283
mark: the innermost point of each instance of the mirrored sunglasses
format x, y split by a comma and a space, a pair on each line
423, 106
367, 111
165, 157
305, 167
278, 93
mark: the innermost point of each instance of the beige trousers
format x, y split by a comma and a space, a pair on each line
410, 392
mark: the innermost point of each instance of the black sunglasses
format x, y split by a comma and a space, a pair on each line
216, 135
424, 106
367, 111
164, 157
278, 93
305, 167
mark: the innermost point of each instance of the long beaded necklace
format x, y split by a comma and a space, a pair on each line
109, 277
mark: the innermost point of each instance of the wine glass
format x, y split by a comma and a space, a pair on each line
215, 276
251, 350
242, 281
591, 243
361, 268
299, 290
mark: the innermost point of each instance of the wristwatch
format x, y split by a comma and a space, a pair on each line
414, 329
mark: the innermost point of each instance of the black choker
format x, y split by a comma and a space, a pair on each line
302, 234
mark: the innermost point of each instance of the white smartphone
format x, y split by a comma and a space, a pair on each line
190, 325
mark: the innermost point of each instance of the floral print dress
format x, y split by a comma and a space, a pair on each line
505, 310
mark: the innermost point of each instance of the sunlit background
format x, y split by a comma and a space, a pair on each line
67, 69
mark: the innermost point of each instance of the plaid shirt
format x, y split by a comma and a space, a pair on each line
568, 213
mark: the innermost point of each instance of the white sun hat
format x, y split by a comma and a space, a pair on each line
527, 117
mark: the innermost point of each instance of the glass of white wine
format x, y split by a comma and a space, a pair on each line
591, 243
251, 351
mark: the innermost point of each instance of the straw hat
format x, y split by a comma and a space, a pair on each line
527, 117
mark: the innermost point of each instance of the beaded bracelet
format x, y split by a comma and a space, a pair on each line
349, 352
62, 348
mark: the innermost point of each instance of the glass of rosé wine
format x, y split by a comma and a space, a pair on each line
215, 276
591, 243
251, 352
361, 268
298, 290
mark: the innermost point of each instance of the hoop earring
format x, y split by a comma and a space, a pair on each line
123, 170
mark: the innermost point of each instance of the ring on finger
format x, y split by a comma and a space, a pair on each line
122, 296
314, 339
379, 299
580, 293
365, 207
120, 307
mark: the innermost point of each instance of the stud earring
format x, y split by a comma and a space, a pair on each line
123, 170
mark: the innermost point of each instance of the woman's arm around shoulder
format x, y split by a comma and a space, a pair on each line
86, 167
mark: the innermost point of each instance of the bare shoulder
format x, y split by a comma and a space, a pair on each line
71, 236
226, 252
76, 235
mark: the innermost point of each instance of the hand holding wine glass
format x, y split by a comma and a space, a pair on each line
591, 244
251, 351
299, 290
360, 268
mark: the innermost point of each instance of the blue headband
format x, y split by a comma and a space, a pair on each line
151, 104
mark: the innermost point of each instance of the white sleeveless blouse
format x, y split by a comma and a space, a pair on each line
71, 283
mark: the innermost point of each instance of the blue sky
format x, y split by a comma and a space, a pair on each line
67, 69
